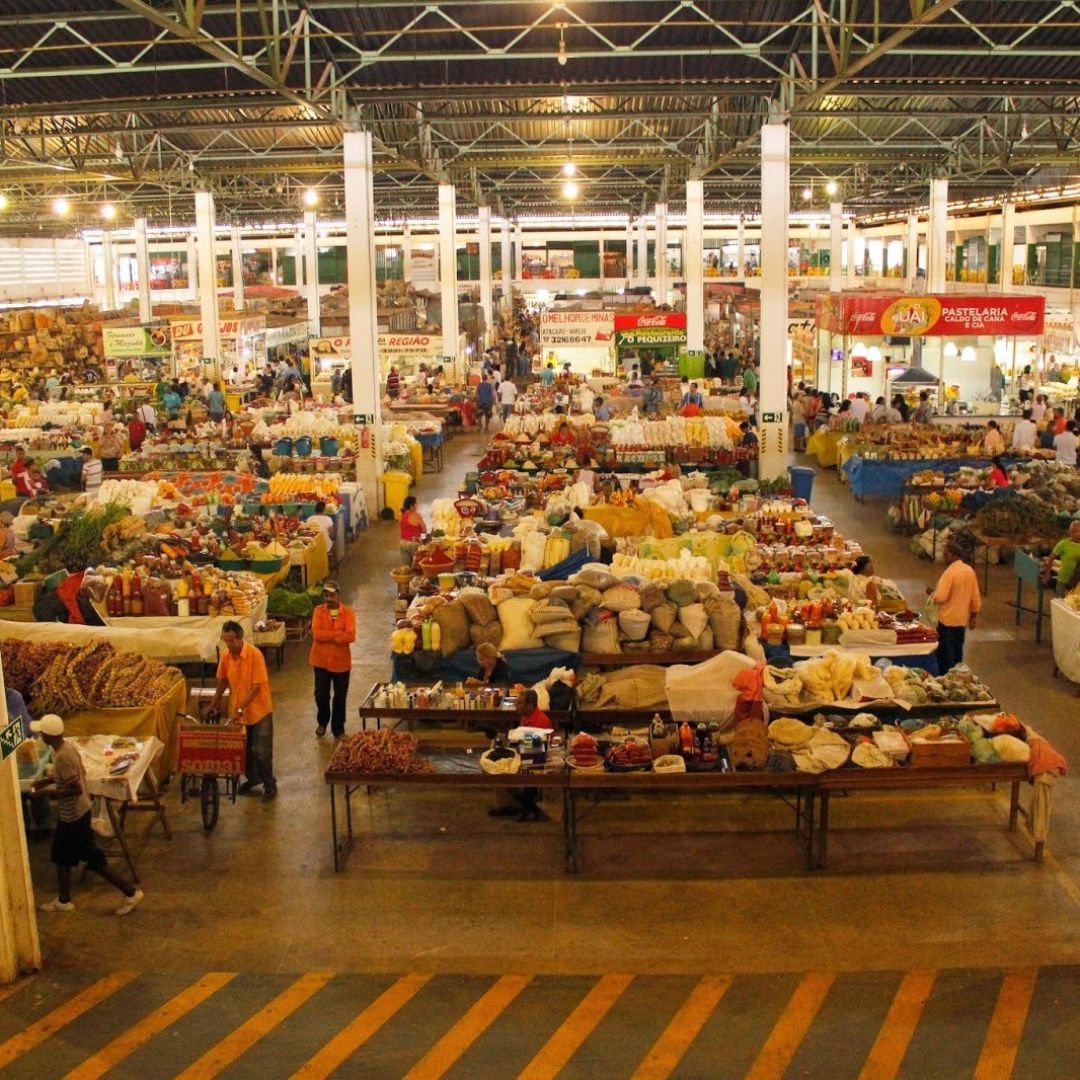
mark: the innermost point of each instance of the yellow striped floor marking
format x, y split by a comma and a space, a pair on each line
61, 1016
1006, 1026
125, 1045
685, 1026
790, 1030
18, 984
442, 1056
576, 1028
887, 1053
357, 1032
261, 1024
1072, 890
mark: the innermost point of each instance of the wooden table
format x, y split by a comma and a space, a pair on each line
911, 777
1001, 542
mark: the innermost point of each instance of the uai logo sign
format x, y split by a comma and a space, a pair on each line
911, 315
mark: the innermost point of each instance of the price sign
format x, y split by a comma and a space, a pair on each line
10, 738
772, 418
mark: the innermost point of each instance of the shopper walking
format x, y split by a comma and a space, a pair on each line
507, 396
73, 842
485, 401
333, 630
958, 602
242, 671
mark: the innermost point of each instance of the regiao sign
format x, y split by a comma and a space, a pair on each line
411, 343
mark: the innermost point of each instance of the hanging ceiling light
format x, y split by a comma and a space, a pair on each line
570, 190
968, 355
311, 197
60, 206
3, 201
873, 354
832, 187
108, 211
562, 45
569, 169
807, 194
950, 350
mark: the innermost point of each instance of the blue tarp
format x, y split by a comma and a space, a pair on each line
527, 666
928, 662
570, 565
886, 478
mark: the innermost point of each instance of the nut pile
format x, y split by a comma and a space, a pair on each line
382, 751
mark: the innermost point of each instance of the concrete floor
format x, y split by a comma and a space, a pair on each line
684, 887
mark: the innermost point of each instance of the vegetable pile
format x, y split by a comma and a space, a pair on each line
58, 678
383, 751
1017, 516
79, 541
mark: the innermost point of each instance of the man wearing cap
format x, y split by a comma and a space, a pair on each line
333, 630
242, 671
73, 841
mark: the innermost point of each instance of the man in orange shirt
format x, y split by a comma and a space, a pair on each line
333, 630
958, 600
242, 671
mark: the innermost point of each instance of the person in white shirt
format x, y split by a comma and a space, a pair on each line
507, 392
322, 520
1065, 444
859, 407
148, 415
496, 374
1024, 433
91, 470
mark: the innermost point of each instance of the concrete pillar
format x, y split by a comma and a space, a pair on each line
448, 268
661, 253
237, 269
208, 298
311, 271
506, 258
108, 268
484, 215
629, 251
740, 248
851, 268
406, 253
694, 264
19, 949
142, 268
911, 239
298, 256
274, 263
363, 312
519, 250
193, 266
936, 233
775, 177
642, 251
1008, 234
836, 243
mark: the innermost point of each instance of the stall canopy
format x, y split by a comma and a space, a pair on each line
871, 315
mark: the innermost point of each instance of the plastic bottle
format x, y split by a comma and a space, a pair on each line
686, 738
136, 596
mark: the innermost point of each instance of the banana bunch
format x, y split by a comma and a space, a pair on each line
860, 618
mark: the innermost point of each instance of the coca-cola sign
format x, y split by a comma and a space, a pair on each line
942, 316
671, 320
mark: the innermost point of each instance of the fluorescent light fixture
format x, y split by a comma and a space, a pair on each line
311, 197
570, 190
108, 212
831, 187
951, 350
60, 206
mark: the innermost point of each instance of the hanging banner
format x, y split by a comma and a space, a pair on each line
576, 329
124, 341
423, 267
329, 346
410, 344
662, 328
192, 329
941, 316
286, 334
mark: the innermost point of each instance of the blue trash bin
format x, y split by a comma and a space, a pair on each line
802, 481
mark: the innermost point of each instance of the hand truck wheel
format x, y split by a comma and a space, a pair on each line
210, 800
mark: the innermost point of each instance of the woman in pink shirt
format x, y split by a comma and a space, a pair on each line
958, 600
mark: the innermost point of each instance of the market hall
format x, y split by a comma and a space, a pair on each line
539, 538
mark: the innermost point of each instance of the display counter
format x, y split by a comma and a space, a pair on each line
887, 478
1065, 629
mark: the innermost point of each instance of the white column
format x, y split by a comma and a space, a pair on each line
274, 263
661, 253
851, 275
836, 243
642, 251
775, 173
1005, 251
108, 266
519, 249
406, 253
208, 299
311, 271
363, 312
142, 268
505, 257
911, 239
19, 948
936, 233
298, 256
237, 269
740, 248
193, 266
694, 264
629, 251
448, 268
485, 269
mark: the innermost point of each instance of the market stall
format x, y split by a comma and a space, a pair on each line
242, 339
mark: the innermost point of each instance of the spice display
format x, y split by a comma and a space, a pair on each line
378, 752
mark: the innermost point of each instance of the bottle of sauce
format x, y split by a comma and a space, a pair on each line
686, 739
136, 595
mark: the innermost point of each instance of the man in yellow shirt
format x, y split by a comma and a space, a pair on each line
958, 600
242, 671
